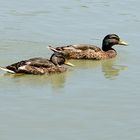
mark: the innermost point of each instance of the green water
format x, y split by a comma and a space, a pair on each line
95, 100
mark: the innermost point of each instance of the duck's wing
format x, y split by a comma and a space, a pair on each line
40, 62
14, 67
28, 69
87, 47
81, 51
81, 47
27, 65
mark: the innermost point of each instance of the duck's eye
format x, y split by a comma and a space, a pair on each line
114, 41
114, 38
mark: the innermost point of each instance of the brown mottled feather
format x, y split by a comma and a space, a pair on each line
36, 66
85, 51
40, 62
28, 69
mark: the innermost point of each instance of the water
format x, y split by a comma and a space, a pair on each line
94, 100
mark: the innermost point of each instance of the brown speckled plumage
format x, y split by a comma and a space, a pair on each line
39, 65
86, 51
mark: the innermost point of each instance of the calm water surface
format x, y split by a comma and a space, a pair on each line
96, 100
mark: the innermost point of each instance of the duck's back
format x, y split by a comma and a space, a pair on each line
83, 51
40, 62
33, 65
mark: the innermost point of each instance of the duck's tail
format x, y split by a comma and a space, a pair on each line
65, 54
53, 49
7, 70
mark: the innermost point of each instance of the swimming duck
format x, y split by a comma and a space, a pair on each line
39, 65
85, 51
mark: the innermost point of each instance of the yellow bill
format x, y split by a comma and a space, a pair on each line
69, 64
121, 42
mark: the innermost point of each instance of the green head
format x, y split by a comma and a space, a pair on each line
110, 40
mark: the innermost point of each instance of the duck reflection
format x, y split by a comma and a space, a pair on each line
55, 81
109, 68
112, 70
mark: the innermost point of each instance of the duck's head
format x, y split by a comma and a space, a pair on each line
58, 58
110, 40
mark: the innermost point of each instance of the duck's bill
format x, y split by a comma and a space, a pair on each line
69, 64
121, 42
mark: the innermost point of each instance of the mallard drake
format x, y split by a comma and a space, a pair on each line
39, 65
85, 51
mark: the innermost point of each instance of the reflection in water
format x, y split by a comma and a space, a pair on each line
28, 13
54, 80
57, 81
111, 70
84, 64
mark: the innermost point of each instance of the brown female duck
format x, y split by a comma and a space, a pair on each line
85, 51
39, 65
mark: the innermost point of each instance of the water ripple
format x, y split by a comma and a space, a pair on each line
28, 13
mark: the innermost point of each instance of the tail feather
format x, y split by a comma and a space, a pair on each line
65, 54
54, 50
7, 70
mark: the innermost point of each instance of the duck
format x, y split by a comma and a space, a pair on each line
39, 65
87, 51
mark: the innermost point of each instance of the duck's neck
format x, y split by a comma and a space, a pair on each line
107, 46
53, 59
